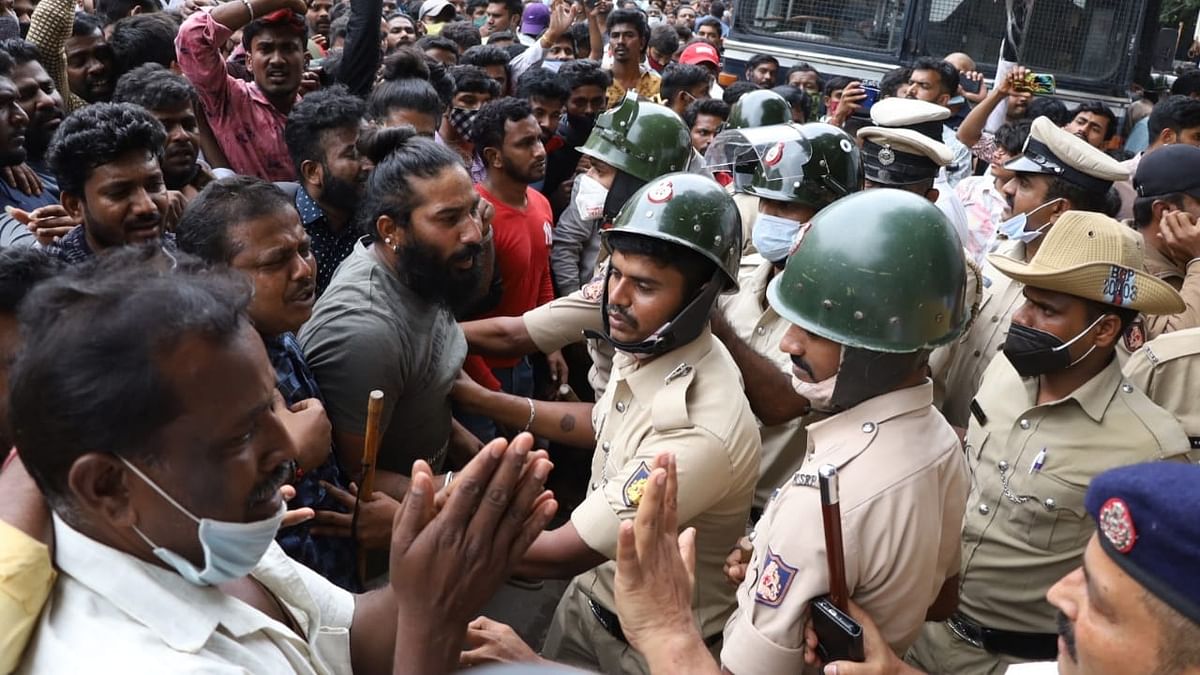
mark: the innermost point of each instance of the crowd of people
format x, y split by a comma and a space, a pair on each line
302, 301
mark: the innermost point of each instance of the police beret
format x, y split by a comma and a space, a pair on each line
1053, 151
1169, 170
1146, 522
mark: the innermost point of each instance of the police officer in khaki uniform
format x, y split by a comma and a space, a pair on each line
1167, 369
1165, 212
864, 320
1057, 172
802, 170
1053, 412
674, 249
903, 149
640, 141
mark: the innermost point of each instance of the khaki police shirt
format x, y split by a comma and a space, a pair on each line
1026, 526
747, 206
1167, 369
562, 321
756, 324
903, 485
1186, 280
958, 367
688, 401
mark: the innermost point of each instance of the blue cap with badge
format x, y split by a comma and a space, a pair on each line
1146, 517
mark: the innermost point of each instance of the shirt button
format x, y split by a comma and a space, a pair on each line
983, 508
977, 353
868, 427
1003, 465
752, 535
761, 330
620, 406
1127, 388
1050, 503
593, 487
1024, 424
995, 318
605, 446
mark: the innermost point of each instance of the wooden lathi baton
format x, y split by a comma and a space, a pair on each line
831, 517
366, 485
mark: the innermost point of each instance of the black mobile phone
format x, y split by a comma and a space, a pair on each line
971, 86
839, 637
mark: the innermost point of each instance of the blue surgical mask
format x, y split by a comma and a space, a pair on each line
773, 236
231, 550
1013, 229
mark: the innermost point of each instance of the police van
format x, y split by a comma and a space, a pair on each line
1094, 48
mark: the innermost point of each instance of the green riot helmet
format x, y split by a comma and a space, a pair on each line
817, 166
692, 212
759, 109
881, 270
643, 139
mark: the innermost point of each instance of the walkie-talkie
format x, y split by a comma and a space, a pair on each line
839, 637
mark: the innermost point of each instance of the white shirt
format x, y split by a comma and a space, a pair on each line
113, 613
961, 168
952, 207
1033, 668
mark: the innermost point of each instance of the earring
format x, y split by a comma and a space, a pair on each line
396, 250
388, 240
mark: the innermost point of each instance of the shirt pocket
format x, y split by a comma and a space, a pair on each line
1052, 516
976, 441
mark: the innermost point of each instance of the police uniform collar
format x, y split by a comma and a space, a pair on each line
646, 377
1093, 397
840, 438
1052, 151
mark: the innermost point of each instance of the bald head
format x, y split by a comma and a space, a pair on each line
960, 61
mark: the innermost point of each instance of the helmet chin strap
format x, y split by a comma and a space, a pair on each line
685, 327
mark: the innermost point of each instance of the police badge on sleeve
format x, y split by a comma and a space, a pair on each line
635, 487
774, 581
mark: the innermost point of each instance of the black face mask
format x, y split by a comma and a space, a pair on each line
1034, 352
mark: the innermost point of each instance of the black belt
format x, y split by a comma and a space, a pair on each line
612, 625
1028, 646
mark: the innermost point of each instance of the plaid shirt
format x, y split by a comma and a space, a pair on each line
332, 557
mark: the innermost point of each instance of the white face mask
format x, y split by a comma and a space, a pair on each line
231, 550
590, 197
818, 394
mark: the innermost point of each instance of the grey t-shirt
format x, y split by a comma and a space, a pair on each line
370, 331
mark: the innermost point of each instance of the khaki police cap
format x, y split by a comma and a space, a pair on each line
1053, 151
1092, 256
904, 145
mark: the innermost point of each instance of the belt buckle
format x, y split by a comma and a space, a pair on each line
959, 628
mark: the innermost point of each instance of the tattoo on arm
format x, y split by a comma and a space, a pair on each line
567, 423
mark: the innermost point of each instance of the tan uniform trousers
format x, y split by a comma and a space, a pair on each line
940, 652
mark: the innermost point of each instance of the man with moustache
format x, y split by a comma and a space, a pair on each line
507, 139
13, 122
171, 99
106, 157
252, 227
322, 139
43, 105
387, 322
248, 118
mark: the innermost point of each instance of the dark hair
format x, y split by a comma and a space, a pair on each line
376, 143
717, 9
474, 79
696, 269
584, 72
805, 68
664, 39
737, 90
299, 27
581, 40
1095, 310
21, 51
543, 84
203, 231
1098, 108
472, 4
759, 59
487, 130
322, 110
632, 17
112, 11
796, 98
501, 36
711, 22
389, 191
678, 77
21, 268
513, 7
1012, 135
406, 62
462, 33
947, 74
1173, 112
439, 42
143, 38
834, 83
892, 80
85, 24
89, 376
154, 88
340, 26
705, 106
484, 55
1186, 84
1143, 207
1050, 108
442, 80
1083, 199
6, 65
99, 134
408, 93
684, 33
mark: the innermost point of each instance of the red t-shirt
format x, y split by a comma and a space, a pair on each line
522, 239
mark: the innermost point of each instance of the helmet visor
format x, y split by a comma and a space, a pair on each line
734, 154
